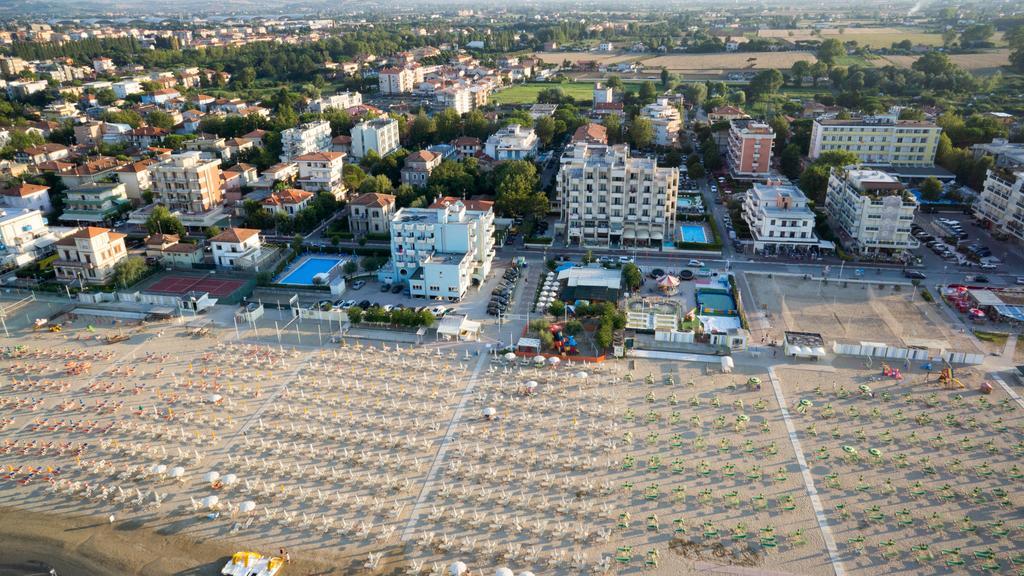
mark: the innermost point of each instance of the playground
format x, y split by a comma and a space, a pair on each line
854, 311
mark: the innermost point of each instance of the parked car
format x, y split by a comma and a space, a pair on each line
365, 304
915, 274
695, 262
1020, 279
346, 304
439, 311
625, 259
385, 287
358, 284
397, 288
988, 266
978, 279
389, 307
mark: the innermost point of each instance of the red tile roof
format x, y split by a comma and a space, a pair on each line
24, 189
235, 235
373, 199
477, 205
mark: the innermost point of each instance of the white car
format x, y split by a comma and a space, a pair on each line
438, 311
695, 262
389, 307
347, 304
988, 266
625, 259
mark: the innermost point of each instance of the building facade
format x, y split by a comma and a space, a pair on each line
393, 81
338, 101
666, 120
187, 183
379, 135
878, 140
322, 171
870, 212
1000, 206
418, 167
444, 249
94, 203
305, 139
750, 148
237, 248
608, 198
779, 219
371, 213
89, 255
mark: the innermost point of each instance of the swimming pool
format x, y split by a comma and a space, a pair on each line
715, 302
693, 233
303, 273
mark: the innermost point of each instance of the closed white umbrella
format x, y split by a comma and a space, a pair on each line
554, 360
457, 569
210, 501
489, 412
510, 356
247, 506
503, 571
177, 472
213, 398
531, 384
526, 573
229, 479
158, 468
582, 375
538, 359
211, 476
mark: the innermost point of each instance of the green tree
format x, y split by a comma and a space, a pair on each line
830, 50
648, 92
447, 124
613, 123
350, 268
545, 129
614, 82
800, 69
128, 270
161, 119
665, 77
161, 221
766, 82
297, 243
931, 189
789, 161
696, 93
422, 129
632, 277
212, 231
977, 35
641, 132
557, 308
1015, 40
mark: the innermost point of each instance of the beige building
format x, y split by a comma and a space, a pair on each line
608, 198
322, 171
136, 179
371, 213
878, 140
89, 255
418, 167
666, 120
187, 183
870, 211
288, 201
396, 81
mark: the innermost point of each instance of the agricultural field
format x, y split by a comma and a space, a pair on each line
719, 63
873, 37
599, 57
982, 63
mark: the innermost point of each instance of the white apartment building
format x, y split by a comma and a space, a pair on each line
878, 140
396, 81
126, 88
338, 101
870, 211
89, 255
608, 198
26, 196
305, 139
779, 219
24, 236
666, 121
1000, 206
237, 248
603, 94
442, 250
322, 171
512, 142
379, 135
459, 98
188, 183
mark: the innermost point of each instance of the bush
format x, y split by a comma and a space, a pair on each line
603, 338
926, 295
547, 340
539, 325
355, 314
573, 327
557, 308
538, 240
378, 237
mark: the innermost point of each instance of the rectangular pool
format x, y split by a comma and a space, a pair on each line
302, 274
693, 233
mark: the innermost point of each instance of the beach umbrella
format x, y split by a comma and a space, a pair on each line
209, 501
531, 384
865, 389
875, 452
754, 381
743, 418
213, 398
581, 375
538, 359
211, 476
489, 412
510, 356
177, 472
503, 571
229, 479
554, 360
247, 506
457, 569
526, 573
158, 468
849, 449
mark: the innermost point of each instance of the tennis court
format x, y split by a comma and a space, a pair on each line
182, 284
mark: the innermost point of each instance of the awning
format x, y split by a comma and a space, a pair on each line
629, 233
643, 234
657, 235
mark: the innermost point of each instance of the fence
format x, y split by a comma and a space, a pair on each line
875, 350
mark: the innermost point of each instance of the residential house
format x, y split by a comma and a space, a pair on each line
94, 203
878, 140
666, 120
418, 167
512, 142
288, 201
750, 149
42, 153
467, 146
590, 133
135, 177
322, 171
24, 196
870, 211
306, 139
726, 114
371, 213
89, 255
237, 248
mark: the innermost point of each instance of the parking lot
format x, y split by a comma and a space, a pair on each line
1009, 261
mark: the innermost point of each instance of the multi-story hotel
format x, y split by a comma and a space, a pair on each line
379, 135
396, 81
779, 219
187, 183
322, 171
870, 211
666, 121
1000, 206
878, 140
442, 250
749, 153
608, 198
305, 139
89, 255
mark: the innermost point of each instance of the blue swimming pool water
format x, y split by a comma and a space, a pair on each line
693, 233
303, 273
